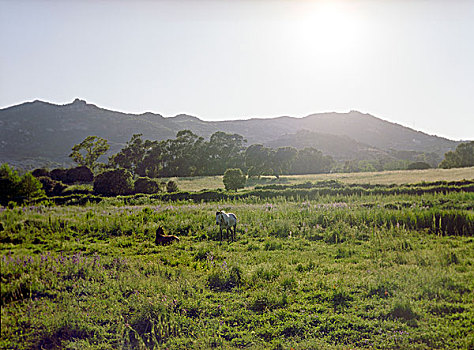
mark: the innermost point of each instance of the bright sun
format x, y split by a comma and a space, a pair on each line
327, 26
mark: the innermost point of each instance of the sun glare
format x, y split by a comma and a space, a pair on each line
328, 26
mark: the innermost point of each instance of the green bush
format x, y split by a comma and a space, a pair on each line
51, 187
79, 174
15, 188
41, 172
418, 166
234, 179
114, 182
147, 185
171, 186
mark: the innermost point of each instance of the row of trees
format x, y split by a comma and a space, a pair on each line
190, 155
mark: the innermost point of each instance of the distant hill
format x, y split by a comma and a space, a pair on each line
38, 133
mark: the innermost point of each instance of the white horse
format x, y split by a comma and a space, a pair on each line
227, 221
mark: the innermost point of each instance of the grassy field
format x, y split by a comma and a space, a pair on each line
384, 177
336, 272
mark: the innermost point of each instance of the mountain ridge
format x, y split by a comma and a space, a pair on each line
46, 132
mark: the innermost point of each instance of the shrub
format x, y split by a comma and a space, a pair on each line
234, 179
15, 188
171, 186
403, 310
79, 174
51, 187
40, 173
224, 279
59, 175
146, 185
418, 166
114, 182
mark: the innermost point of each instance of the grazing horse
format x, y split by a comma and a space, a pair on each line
163, 239
227, 221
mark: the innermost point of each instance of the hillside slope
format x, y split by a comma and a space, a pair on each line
38, 133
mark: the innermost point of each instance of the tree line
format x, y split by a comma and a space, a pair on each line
191, 155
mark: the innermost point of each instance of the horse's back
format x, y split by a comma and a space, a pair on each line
232, 219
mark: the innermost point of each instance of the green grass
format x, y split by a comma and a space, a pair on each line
383, 177
337, 272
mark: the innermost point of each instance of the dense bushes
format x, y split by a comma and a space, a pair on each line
114, 182
463, 156
17, 188
234, 179
418, 166
147, 185
171, 186
81, 174
51, 187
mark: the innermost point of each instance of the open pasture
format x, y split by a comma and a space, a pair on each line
382, 177
333, 272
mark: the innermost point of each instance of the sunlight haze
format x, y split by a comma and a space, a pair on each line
409, 62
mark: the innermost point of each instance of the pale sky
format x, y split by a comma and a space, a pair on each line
409, 62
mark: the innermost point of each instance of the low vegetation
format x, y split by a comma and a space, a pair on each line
316, 265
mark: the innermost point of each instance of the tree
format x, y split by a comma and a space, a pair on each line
114, 182
462, 157
311, 161
30, 187
88, 151
16, 188
224, 151
234, 179
257, 158
282, 160
132, 154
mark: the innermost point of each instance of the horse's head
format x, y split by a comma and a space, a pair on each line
159, 231
218, 217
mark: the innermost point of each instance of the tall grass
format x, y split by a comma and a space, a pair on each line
383, 271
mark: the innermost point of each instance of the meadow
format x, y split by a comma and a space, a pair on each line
398, 177
376, 269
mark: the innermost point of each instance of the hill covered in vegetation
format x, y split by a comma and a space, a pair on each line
38, 133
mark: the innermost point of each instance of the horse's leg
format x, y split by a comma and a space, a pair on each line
235, 234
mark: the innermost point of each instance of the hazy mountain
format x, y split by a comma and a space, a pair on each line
40, 133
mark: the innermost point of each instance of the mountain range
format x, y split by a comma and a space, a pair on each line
38, 133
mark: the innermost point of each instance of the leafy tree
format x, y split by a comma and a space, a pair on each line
234, 179
283, 159
185, 153
88, 151
30, 187
154, 161
462, 157
114, 182
132, 154
224, 151
258, 157
16, 188
311, 161
9, 181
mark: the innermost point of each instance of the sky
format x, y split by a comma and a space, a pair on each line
409, 62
